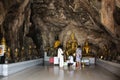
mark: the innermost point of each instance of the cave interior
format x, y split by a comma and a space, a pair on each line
28, 28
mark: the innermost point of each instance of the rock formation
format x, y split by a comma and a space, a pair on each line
36, 23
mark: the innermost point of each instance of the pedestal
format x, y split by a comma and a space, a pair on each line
88, 60
5, 70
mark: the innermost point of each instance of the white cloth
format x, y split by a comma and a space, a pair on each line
71, 59
60, 57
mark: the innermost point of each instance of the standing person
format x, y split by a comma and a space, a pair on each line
60, 56
78, 57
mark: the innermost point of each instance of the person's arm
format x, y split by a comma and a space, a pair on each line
80, 54
61, 52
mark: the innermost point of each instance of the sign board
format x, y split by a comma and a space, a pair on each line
1, 50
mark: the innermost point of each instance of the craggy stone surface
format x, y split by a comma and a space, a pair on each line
37, 23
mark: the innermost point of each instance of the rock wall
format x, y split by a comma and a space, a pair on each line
33, 25
15, 28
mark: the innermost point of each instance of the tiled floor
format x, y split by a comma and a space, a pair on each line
55, 73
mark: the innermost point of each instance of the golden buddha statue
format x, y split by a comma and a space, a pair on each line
1, 52
74, 42
16, 52
3, 42
3, 46
16, 55
55, 47
8, 53
71, 45
56, 44
8, 56
86, 47
30, 51
22, 54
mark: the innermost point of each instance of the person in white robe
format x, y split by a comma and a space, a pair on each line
60, 56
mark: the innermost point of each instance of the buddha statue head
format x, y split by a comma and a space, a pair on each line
86, 43
72, 36
56, 44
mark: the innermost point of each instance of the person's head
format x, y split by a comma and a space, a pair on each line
79, 46
60, 46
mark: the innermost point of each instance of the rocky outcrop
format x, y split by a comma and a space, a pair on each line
107, 11
37, 23
83, 17
15, 27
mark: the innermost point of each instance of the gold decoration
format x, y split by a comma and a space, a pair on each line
86, 47
7, 56
3, 42
22, 48
30, 50
72, 36
71, 45
8, 53
22, 54
56, 44
16, 55
16, 52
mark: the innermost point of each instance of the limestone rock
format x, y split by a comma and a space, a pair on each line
39, 22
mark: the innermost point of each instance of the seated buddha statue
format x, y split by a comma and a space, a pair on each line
73, 42
86, 47
71, 45
56, 44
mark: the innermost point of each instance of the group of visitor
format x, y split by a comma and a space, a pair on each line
78, 56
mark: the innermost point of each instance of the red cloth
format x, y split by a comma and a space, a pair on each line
51, 60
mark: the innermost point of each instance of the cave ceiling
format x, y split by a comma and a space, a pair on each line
40, 21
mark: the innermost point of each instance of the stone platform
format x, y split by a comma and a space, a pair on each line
7, 69
49, 72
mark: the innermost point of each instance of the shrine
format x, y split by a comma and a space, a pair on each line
59, 39
71, 46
